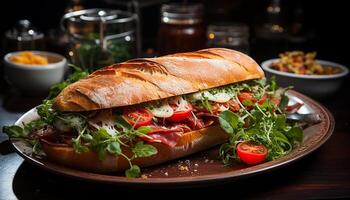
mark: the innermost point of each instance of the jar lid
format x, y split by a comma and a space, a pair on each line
99, 15
87, 22
24, 31
229, 29
179, 13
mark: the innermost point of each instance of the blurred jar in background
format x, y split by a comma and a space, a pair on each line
232, 36
181, 28
100, 37
23, 36
270, 32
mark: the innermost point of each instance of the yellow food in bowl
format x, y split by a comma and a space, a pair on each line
298, 62
29, 58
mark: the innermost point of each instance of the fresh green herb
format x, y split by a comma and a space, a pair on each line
18, 133
91, 56
47, 115
228, 121
75, 76
114, 148
295, 134
133, 172
45, 111
144, 150
205, 103
14, 132
261, 124
103, 142
35, 124
273, 84
284, 102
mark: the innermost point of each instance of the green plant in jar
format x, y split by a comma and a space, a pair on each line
92, 56
100, 37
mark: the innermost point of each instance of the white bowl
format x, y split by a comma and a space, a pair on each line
34, 79
317, 86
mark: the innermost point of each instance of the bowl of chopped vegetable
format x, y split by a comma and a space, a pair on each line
34, 72
311, 76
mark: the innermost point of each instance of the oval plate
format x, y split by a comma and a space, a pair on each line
200, 168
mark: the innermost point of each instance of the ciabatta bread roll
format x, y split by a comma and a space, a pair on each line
141, 80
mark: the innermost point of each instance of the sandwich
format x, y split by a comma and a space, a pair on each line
148, 111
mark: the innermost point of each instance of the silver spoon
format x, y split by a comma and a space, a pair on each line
310, 118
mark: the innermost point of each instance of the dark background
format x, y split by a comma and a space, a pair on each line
326, 22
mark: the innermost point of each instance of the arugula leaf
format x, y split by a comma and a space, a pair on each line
103, 134
295, 134
260, 82
247, 103
45, 111
114, 148
36, 124
228, 121
14, 131
144, 130
78, 147
144, 150
87, 137
225, 153
133, 172
280, 122
205, 103
283, 103
273, 84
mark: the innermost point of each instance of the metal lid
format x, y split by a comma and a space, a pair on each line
229, 29
99, 15
179, 13
85, 23
24, 31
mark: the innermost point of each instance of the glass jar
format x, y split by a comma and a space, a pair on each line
232, 36
23, 36
101, 37
181, 28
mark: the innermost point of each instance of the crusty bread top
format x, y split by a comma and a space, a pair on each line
146, 79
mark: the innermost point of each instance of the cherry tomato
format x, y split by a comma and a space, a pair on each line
180, 115
251, 153
243, 96
138, 117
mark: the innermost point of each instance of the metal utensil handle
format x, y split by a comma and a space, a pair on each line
310, 118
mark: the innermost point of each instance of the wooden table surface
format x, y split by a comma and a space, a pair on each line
324, 174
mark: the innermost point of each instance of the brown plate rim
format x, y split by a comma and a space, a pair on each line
201, 179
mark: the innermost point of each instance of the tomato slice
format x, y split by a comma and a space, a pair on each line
138, 117
248, 96
180, 115
262, 100
251, 153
